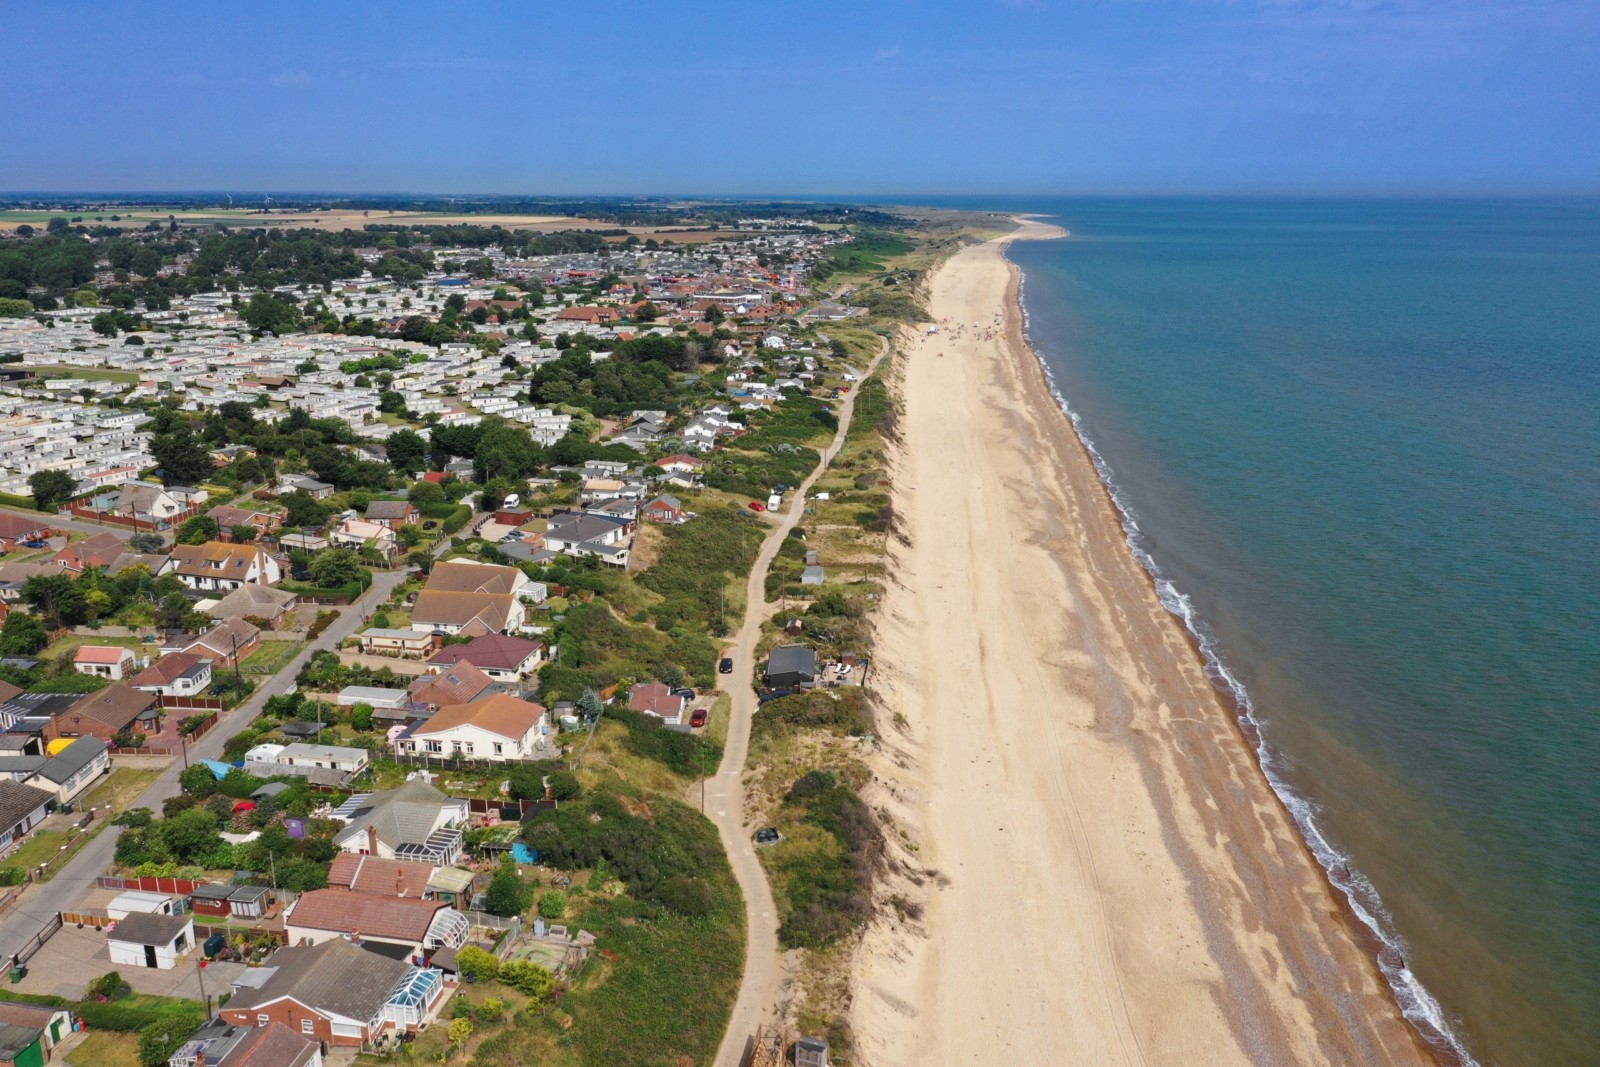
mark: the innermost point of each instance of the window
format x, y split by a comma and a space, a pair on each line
262, 1020
499, 748
433, 746
308, 1026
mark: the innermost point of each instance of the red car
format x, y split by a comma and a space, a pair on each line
756, 505
697, 717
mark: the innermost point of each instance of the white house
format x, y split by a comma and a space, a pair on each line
339, 757
104, 661
145, 940
498, 728
222, 567
177, 674
22, 807
73, 769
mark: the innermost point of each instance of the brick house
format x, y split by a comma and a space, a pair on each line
115, 709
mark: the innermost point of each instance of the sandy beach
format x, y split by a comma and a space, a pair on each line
1107, 877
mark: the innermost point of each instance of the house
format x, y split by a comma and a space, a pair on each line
374, 696
74, 769
413, 821
150, 940
114, 710
336, 992
275, 607
227, 517
591, 535
54, 1023
680, 465
299, 483
97, 550
22, 807
502, 657
466, 576
150, 505
15, 529
458, 684
338, 757
791, 667
380, 877
177, 674
223, 567
358, 533
103, 661
472, 614
420, 926
498, 728
400, 642
655, 698
664, 508
220, 1043
226, 643
392, 514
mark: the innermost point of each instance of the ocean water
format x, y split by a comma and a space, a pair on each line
1359, 444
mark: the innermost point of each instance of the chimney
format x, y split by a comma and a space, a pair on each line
372, 839
399, 882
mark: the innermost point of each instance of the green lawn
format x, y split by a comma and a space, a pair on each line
106, 1048
97, 374
69, 645
270, 657
120, 788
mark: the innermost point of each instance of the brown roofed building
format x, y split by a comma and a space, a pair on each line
450, 612
118, 708
500, 656
455, 576
500, 728
22, 807
227, 642
333, 991
222, 567
419, 925
380, 877
458, 684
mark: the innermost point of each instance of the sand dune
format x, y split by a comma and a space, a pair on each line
1111, 879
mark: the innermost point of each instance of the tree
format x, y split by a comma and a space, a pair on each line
529, 979
198, 530
181, 456
15, 308
409, 535
302, 509
407, 450
146, 542
243, 533
335, 567
22, 634
197, 780
361, 717
51, 488
459, 1031
552, 904
507, 896
266, 312
479, 965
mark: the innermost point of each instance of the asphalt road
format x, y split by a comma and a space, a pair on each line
762, 985
40, 902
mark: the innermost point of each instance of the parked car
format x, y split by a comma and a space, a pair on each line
697, 717
687, 694
756, 505
725, 665
36, 544
768, 835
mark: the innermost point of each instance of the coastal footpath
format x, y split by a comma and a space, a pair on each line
1107, 876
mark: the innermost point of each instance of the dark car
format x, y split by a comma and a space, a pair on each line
725, 666
36, 544
697, 717
768, 835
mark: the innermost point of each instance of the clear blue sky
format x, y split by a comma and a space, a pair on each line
858, 96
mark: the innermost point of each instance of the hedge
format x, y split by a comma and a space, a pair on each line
127, 1017
458, 518
26, 503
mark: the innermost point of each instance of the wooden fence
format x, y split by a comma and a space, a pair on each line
99, 922
176, 703
179, 887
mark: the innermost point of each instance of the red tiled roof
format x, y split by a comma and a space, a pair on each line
376, 876
363, 913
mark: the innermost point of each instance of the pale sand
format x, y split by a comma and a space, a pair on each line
1116, 883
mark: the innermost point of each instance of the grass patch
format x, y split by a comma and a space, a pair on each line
844, 711
822, 871
120, 788
695, 562
106, 1048
270, 657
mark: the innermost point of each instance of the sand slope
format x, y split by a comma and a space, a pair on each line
1115, 882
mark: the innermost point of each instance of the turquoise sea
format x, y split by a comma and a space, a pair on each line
1358, 444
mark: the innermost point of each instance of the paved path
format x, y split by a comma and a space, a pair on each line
40, 902
63, 522
762, 985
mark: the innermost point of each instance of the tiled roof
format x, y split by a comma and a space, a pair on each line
451, 608
363, 913
492, 652
456, 685
18, 801
501, 714
456, 577
115, 706
378, 876
335, 977
101, 654
167, 669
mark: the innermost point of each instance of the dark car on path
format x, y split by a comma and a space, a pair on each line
725, 665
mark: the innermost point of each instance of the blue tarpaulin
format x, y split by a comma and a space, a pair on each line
219, 769
523, 854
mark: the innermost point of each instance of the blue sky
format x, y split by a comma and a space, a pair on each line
863, 97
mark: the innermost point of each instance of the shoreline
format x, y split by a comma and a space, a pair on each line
1165, 866
1356, 898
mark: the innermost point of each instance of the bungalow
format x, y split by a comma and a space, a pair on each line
22, 807
392, 514
590, 535
498, 728
338, 757
275, 607
299, 483
664, 508
147, 940
223, 567
177, 674
336, 992
358, 533
97, 550
413, 821
116, 709
227, 517
682, 465
75, 768
459, 684
221, 1044
149, 504
104, 661
791, 667
226, 643
380, 877
421, 926
400, 642
466, 576
502, 657
15, 529
472, 614
656, 699
54, 1024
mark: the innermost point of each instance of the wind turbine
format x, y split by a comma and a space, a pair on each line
230, 199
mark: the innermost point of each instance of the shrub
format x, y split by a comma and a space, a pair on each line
477, 964
552, 904
529, 979
12, 875
689, 897
160, 1039
507, 894
111, 986
135, 817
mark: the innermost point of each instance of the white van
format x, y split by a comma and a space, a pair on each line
774, 502
511, 501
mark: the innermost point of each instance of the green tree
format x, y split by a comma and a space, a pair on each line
181, 456
507, 894
477, 964
266, 312
243, 533
50, 488
529, 979
409, 535
197, 780
335, 567
197, 531
160, 1039
15, 308
301, 509
407, 450
22, 634
86, 298
552, 904
361, 717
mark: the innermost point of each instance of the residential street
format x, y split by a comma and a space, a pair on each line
40, 902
